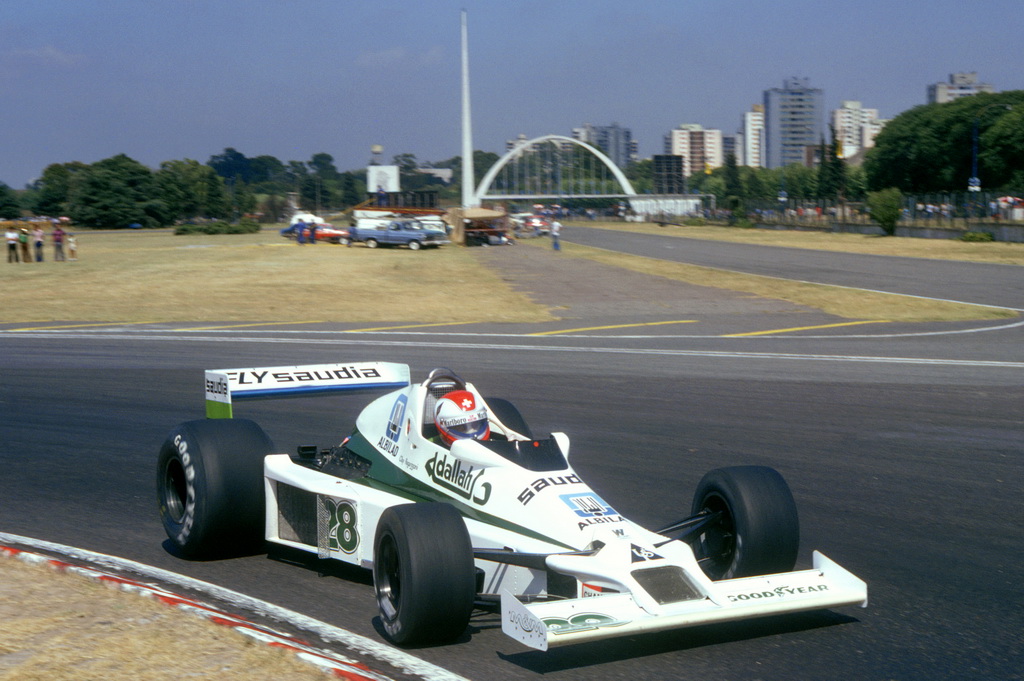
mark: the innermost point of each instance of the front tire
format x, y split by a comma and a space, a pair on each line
758, 531
210, 487
423, 573
415, 245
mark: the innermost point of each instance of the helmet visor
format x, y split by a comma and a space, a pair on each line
464, 426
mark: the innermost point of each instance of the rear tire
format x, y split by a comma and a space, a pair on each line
415, 245
423, 573
759, 530
371, 243
209, 485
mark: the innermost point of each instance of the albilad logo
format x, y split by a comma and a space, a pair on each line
450, 473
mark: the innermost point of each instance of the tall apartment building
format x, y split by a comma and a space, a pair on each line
793, 120
856, 127
750, 139
729, 146
699, 148
614, 141
959, 85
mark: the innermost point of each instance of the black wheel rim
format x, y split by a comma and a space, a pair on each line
388, 579
716, 545
175, 490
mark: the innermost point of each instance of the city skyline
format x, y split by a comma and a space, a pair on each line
174, 79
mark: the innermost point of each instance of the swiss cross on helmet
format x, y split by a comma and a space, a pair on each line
459, 416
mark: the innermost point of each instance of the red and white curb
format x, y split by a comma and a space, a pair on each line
331, 662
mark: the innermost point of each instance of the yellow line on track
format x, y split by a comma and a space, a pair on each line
77, 326
239, 326
615, 326
801, 328
409, 326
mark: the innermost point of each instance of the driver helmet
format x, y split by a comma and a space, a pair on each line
459, 416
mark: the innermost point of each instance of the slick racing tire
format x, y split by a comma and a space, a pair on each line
209, 484
758, 531
371, 243
415, 245
423, 573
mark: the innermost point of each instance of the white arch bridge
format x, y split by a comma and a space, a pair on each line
559, 168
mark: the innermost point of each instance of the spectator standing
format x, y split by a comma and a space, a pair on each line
12, 244
300, 232
23, 242
37, 241
58, 243
556, 230
72, 247
312, 233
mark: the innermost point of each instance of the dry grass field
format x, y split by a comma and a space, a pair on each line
941, 249
156, 276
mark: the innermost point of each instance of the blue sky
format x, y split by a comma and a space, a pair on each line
82, 80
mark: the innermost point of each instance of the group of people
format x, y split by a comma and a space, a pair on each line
19, 241
305, 232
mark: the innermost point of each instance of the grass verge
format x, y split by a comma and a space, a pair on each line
1003, 253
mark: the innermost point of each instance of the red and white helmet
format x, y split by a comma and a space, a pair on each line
459, 416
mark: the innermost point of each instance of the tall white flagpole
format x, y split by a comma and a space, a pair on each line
468, 183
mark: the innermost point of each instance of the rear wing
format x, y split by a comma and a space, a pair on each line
223, 386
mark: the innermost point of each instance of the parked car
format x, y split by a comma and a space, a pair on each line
325, 231
411, 233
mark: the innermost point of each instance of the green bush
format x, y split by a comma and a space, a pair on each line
243, 226
884, 207
977, 236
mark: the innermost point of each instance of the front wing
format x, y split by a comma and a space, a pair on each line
548, 624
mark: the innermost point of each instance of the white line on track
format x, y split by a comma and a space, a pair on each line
419, 343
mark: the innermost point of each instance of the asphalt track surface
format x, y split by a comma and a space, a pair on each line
978, 283
902, 444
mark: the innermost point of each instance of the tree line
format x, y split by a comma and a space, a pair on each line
120, 192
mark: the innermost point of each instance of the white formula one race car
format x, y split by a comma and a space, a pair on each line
453, 504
